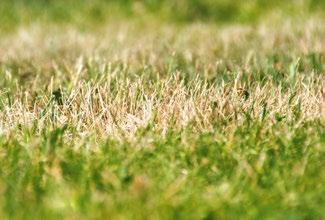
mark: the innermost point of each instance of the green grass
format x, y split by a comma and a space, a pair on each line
254, 171
163, 115
87, 14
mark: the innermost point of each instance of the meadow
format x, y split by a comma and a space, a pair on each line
162, 109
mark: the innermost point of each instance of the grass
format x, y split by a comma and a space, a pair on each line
156, 119
91, 14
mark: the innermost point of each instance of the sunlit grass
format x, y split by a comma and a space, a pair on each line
162, 120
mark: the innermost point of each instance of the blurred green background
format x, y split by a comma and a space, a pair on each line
93, 12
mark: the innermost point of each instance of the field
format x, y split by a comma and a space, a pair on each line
162, 110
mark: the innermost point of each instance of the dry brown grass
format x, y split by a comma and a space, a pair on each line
123, 79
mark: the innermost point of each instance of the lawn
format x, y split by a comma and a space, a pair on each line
162, 109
